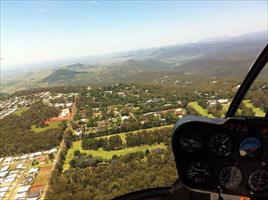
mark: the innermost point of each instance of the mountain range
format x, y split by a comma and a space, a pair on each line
228, 57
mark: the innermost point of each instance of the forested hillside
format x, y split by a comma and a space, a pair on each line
17, 131
102, 179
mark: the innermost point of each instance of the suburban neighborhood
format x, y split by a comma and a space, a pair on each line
92, 128
25, 176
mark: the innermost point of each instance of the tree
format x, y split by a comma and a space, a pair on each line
77, 153
51, 156
72, 163
90, 143
115, 142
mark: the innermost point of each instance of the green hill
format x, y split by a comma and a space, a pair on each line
61, 75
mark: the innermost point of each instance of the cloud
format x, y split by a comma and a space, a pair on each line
95, 3
39, 5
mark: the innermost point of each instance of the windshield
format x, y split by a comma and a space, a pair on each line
90, 90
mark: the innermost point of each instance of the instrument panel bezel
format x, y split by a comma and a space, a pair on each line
238, 128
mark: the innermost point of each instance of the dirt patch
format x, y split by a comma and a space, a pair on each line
46, 169
36, 188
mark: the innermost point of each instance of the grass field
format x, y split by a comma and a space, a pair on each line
123, 135
50, 126
107, 154
258, 111
20, 111
225, 108
199, 109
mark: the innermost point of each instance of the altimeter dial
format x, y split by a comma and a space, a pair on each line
198, 172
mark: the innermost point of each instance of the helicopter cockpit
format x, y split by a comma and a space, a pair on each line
221, 159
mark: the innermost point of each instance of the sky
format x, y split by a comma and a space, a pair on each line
37, 31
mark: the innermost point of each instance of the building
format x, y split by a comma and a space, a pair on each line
97, 114
121, 94
179, 111
23, 189
69, 105
5, 168
34, 195
108, 92
64, 112
20, 196
124, 118
3, 174
212, 103
52, 151
78, 132
223, 101
33, 170
42, 159
8, 159
236, 87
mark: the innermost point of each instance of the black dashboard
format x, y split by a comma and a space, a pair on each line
222, 155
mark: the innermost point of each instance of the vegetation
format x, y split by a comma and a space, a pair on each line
52, 125
107, 155
21, 111
120, 176
200, 110
256, 111
125, 133
105, 148
16, 134
61, 74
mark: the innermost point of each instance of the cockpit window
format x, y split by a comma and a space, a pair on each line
255, 103
90, 91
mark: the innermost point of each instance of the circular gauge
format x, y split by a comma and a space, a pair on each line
230, 177
250, 147
258, 180
220, 144
198, 172
191, 144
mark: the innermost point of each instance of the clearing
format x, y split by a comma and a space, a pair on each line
200, 109
258, 111
20, 111
51, 125
123, 135
107, 154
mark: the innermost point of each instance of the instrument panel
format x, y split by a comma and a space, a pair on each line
222, 155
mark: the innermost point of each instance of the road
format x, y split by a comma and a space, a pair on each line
19, 180
57, 158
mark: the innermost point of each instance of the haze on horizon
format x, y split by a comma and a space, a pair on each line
36, 31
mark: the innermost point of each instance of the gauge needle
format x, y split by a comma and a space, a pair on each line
226, 139
193, 173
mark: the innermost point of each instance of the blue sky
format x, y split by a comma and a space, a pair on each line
35, 31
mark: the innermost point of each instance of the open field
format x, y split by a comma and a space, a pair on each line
20, 111
50, 126
200, 110
225, 108
123, 135
107, 154
258, 111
